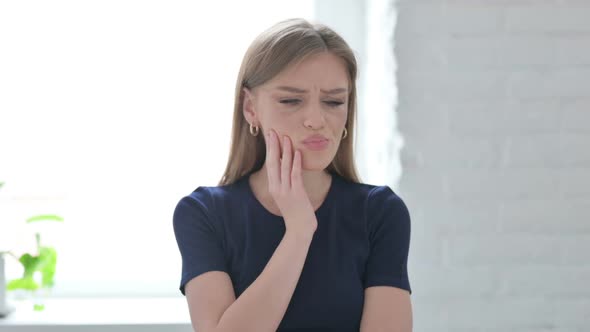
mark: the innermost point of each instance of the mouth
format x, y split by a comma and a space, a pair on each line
316, 144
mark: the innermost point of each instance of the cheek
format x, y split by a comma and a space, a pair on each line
280, 125
337, 119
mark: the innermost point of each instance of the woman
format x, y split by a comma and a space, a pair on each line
290, 239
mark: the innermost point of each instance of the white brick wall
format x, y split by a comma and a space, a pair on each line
494, 107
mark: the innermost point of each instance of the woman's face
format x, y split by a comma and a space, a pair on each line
307, 99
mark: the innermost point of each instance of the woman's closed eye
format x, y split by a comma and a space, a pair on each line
331, 103
290, 101
334, 103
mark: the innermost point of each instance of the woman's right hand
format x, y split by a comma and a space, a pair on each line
285, 184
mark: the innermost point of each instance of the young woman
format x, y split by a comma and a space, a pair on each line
290, 238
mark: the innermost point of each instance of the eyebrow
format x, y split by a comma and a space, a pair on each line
297, 90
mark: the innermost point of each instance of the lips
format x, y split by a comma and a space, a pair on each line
315, 139
316, 142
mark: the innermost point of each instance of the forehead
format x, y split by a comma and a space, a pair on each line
323, 71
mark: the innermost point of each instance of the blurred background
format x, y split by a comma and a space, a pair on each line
475, 112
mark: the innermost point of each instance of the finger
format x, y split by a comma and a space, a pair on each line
272, 162
286, 163
296, 171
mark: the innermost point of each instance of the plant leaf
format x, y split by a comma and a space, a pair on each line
23, 283
30, 264
47, 262
48, 217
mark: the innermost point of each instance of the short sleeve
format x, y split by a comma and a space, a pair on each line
388, 227
199, 243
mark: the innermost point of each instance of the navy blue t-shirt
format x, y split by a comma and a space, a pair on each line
362, 240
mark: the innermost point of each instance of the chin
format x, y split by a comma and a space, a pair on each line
318, 164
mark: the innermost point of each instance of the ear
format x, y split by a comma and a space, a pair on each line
248, 107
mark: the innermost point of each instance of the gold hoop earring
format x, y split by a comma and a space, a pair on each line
345, 133
252, 131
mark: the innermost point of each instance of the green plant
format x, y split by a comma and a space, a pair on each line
43, 263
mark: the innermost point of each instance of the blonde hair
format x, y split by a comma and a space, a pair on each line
285, 43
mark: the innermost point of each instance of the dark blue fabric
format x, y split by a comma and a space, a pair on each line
362, 240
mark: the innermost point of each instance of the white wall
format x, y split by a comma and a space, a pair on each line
494, 107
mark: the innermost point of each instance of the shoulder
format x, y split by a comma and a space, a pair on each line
207, 199
379, 202
384, 196
354, 192
371, 196
213, 195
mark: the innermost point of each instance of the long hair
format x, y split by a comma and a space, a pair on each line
285, 43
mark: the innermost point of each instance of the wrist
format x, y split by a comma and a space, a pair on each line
302, 234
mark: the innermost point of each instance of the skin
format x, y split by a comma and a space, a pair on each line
290, 182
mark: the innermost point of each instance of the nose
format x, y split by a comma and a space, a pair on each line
314, 117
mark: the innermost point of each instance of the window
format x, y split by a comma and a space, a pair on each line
110, 112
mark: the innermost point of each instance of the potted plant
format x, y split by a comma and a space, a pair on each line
5, 309
39, 267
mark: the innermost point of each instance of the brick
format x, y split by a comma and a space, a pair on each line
509, 250
525, 117
423, 51
456, 282
411, 159
575, 150
491, 312
476, 18
549, 281
543, 83
422, 119
464, 85
548, 18
476, 118
545, 216
576, 116
576, 249
496, 118
427, 306
464, 153
418, 18
572, 312
517, 51
426, 246
500, 312
503, 183
468, 52
425, 184
462, 217
426, 250
537, 50
469, 85
571, 50
574, 183
557, 150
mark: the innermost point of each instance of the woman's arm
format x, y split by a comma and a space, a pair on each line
263, 304
261, 307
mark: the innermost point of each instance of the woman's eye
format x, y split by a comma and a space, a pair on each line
290, 101
334, 103
331, 103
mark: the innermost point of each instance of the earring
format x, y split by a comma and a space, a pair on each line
252, 131
345, 133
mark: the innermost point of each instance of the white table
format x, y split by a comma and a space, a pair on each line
100, 315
